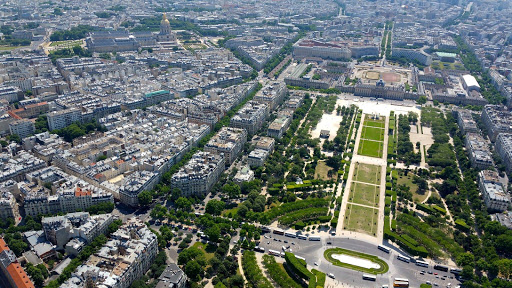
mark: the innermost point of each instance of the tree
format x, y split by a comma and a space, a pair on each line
145, 198
213, 233
193, 270
184, 204
465, 259
422, 100
215, 207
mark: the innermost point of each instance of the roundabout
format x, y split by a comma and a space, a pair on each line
356, 261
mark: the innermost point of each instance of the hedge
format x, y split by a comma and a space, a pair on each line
294, 206
299, 268
439, 209
425, 208
414, 250
320, 278
461, 224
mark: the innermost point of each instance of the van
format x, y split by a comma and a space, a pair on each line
331, 275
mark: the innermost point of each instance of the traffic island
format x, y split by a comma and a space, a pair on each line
356, 261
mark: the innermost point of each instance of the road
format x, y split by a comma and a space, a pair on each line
313, 252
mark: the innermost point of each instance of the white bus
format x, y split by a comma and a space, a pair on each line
403, 258
455, 271
421, 263
369, 277
274, 252
300, 257
314, 238
259, 249
291, 235
402, 280
302, 237
384, 248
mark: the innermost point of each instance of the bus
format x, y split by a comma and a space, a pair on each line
291, 235
278, 232
300, 257
440, 268
369, 277
421, 263
274, 252
384, 248
401, 284
302, 237
403, 258
402, 280
314, 238
265, 229
259, 249
455, 271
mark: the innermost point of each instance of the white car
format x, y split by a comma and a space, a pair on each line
316, 263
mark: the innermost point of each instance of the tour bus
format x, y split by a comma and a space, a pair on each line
291, 235
402, 280
265, 229
455, 271
278, 232
274, 252
314, 238
300, 257
403, 258
369, 277
384, 248
401, 284
302, 237
422, 263
440, 268
259, 249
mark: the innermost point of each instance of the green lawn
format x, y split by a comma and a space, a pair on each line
66, 43
208, 249
370, 148
372, 133
375, 123
381, 270
361, 219
321, 171
364, 194
367, 173
9, 48
413, 188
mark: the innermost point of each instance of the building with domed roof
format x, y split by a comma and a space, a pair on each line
124, 40
166, 34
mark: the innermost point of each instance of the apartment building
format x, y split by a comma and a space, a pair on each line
9, 93
12, 274
257, 157
479, 153
60, 229
8, 206
279, 126
123, 259
228, 141
22, 128
200, 174
250, 117
272, 94
493, 191
172, 277
63, 118
497, 120
466, 122
136, 183
504, 148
